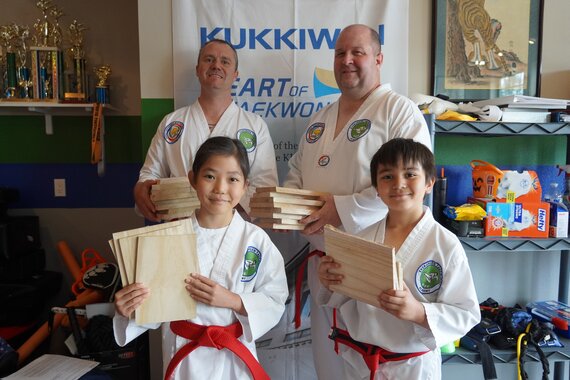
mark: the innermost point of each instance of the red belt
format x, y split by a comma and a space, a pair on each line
372, 355
299, 282
213, 336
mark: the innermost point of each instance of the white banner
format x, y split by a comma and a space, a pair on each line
285, 50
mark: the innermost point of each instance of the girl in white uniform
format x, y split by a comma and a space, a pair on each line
438, 303
241, 288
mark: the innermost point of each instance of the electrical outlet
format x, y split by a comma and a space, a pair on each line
59, 187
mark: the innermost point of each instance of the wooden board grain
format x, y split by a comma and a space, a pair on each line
369, 268
163, 262
268, 201
277, 226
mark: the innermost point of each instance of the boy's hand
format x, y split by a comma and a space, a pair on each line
130, 298
325, 276
141, 193
209, 292
403, 305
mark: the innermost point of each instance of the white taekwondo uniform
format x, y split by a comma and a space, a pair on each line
222, 258
437, 273
180, 134
341, 167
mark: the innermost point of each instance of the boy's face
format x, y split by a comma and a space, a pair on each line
402, 187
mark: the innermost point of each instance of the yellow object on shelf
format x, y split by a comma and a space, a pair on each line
456, 116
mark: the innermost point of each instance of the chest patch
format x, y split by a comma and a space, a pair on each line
324, 160
248, 138
429, 277
358, 129
173, 131
315, 132
251, 262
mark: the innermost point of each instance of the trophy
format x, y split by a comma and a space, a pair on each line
7, 34
24, 72
79, 77
102, 87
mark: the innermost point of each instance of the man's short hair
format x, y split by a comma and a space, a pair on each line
375, 40
219, 41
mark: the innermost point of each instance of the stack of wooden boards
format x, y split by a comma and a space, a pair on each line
282, 207
161, 257
369, 268
174, 198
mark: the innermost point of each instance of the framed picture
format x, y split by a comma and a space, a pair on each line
484, 49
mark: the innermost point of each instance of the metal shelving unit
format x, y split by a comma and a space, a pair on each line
486, 129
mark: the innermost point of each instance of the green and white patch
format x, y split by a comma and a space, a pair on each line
251, 263
248, 139
429, 277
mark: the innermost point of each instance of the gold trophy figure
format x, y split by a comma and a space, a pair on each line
24, 72
102, 89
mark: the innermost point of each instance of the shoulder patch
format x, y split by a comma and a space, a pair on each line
173, 131
248, 138
314, 132
358, 129
429, 277
251, 262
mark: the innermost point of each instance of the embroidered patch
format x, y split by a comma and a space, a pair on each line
428, 277
173, 131
358, 129
324, 160
314, 132
251, 263
248, 139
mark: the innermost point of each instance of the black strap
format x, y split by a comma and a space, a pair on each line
487, 362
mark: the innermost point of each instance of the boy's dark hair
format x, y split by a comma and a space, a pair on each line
219, 41
407, 150
222, 146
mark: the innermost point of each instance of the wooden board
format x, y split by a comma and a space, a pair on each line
278, 221
285, 196
287, 190
163, 262
277, 226
369, 268
164, 195
125, 243
262, 213
177, 203
269, 201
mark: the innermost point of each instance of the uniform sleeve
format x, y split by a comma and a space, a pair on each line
126, 329
360, 210
155, 165
263, 172
266, 304
456, 310
407, 121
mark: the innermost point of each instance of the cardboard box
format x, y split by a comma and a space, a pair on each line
558, 220
505, 185
528, 220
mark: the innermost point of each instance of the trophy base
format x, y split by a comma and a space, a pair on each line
74, 97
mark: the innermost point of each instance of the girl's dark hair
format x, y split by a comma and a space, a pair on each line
221, 146
406, 150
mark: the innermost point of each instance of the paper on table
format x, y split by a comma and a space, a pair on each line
54, 367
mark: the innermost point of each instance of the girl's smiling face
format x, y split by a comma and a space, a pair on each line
220, 184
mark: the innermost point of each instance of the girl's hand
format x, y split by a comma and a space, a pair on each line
209, 292
130, 298
403, 305
325, 276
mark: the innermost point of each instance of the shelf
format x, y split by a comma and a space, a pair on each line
505, 129
8, 107
464, 356
46, 108
513, 244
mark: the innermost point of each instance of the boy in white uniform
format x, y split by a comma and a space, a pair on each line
438, 304
241, 288
181, 132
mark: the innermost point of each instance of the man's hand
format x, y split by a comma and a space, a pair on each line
327, 214
209, 292
142, 199
130, 297
326, 277
403, 305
